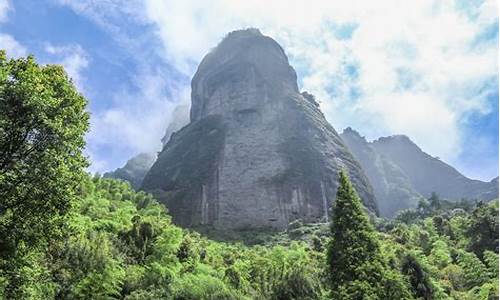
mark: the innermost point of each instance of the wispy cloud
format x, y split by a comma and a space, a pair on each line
136, 121
7, 41
74, 60
11, 46
4, 10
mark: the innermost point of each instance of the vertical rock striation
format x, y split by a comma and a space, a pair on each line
257, 152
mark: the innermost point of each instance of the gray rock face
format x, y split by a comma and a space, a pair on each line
134, 170
401, 173
257, 153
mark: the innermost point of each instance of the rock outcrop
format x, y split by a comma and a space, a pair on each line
401, 173
257, 153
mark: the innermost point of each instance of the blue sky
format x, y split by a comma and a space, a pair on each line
427, 69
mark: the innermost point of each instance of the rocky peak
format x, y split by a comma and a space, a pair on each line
353, 135
257, 153
243, 57
429, 174
397, 140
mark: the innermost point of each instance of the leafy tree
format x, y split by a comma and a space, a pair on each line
418, 277
139, 238
202, 286
483, 228
297, 285
475, 272
454, 276
440, 254
355, 263
186, 250
424, 208
408, 216
491, 259
42, 126
96, 273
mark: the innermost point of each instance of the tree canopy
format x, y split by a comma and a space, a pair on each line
42, 126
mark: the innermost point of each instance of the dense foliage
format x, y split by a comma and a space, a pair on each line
121, 244
42, 124
67, 235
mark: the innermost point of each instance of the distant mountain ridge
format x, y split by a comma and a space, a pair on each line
134, 170
401, 173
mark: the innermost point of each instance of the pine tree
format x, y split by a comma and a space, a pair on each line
356, 266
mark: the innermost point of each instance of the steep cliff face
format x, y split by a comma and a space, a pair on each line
401, 173
257, 153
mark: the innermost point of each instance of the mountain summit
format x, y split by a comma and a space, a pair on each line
257, 153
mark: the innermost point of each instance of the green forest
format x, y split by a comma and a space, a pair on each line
67, 234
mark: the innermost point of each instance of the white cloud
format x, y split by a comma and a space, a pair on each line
8, 42
97, 165
136, 121
74, 60
138, 114
425, 45
12, 46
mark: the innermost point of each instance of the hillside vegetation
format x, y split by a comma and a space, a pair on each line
120, 244
67, 235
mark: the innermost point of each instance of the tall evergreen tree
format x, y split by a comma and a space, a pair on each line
354, 257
